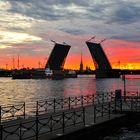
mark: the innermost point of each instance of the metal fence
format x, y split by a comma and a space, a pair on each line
131, 102
12, 112
55, 105
60, 122
56, 122
38, 126
105, 110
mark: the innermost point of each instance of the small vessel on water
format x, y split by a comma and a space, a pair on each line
28, 74
70, 74
48, 73
42, 74
60, 74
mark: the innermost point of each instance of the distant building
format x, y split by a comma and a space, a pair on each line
81, 64
58, 56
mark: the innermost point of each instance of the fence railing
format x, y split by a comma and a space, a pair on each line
131, 103
61, 121
12, 112
104, 110
57, 104
43, 125
54, 105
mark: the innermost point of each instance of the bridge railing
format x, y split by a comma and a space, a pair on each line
43, 125
11, 112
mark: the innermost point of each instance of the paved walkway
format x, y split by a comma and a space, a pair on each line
89, 121
104, 112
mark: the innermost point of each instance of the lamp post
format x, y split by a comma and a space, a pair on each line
124, 81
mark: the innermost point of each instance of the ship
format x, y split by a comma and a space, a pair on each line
43, 74
28, 74
60, 74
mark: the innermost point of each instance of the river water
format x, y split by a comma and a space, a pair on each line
29, 91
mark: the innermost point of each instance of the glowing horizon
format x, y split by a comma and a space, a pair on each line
118, 61
27, 28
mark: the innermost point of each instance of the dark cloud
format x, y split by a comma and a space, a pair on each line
120, 11
126, 14
74, 30
134, 38
45, 9
105, 13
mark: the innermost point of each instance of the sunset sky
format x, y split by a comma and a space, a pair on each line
28, 26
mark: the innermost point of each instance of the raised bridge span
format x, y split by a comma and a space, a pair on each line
103, 67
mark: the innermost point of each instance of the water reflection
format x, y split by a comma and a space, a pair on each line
108, 84
29, 91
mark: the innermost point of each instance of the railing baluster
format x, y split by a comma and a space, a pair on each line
51, 123
75, 101
1, 132
69, 102
37, 133
63, 123
82, 100
0, 114
102, 109
93, 100
37, 113
24, 110
131, 103
94, 113
84, 116
20, 134
109, 110
54, 105
121, 105
103, 97
74, 115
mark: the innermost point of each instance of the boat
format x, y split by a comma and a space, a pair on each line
70, 74
42, 74
48, 73
29, 74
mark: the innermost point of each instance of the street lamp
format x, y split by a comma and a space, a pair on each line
123, 78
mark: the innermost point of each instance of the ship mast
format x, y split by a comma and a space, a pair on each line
13, 62
18, 62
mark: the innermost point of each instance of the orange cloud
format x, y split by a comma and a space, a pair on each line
121, 54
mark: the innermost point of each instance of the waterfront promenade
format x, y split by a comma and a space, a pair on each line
57, 118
